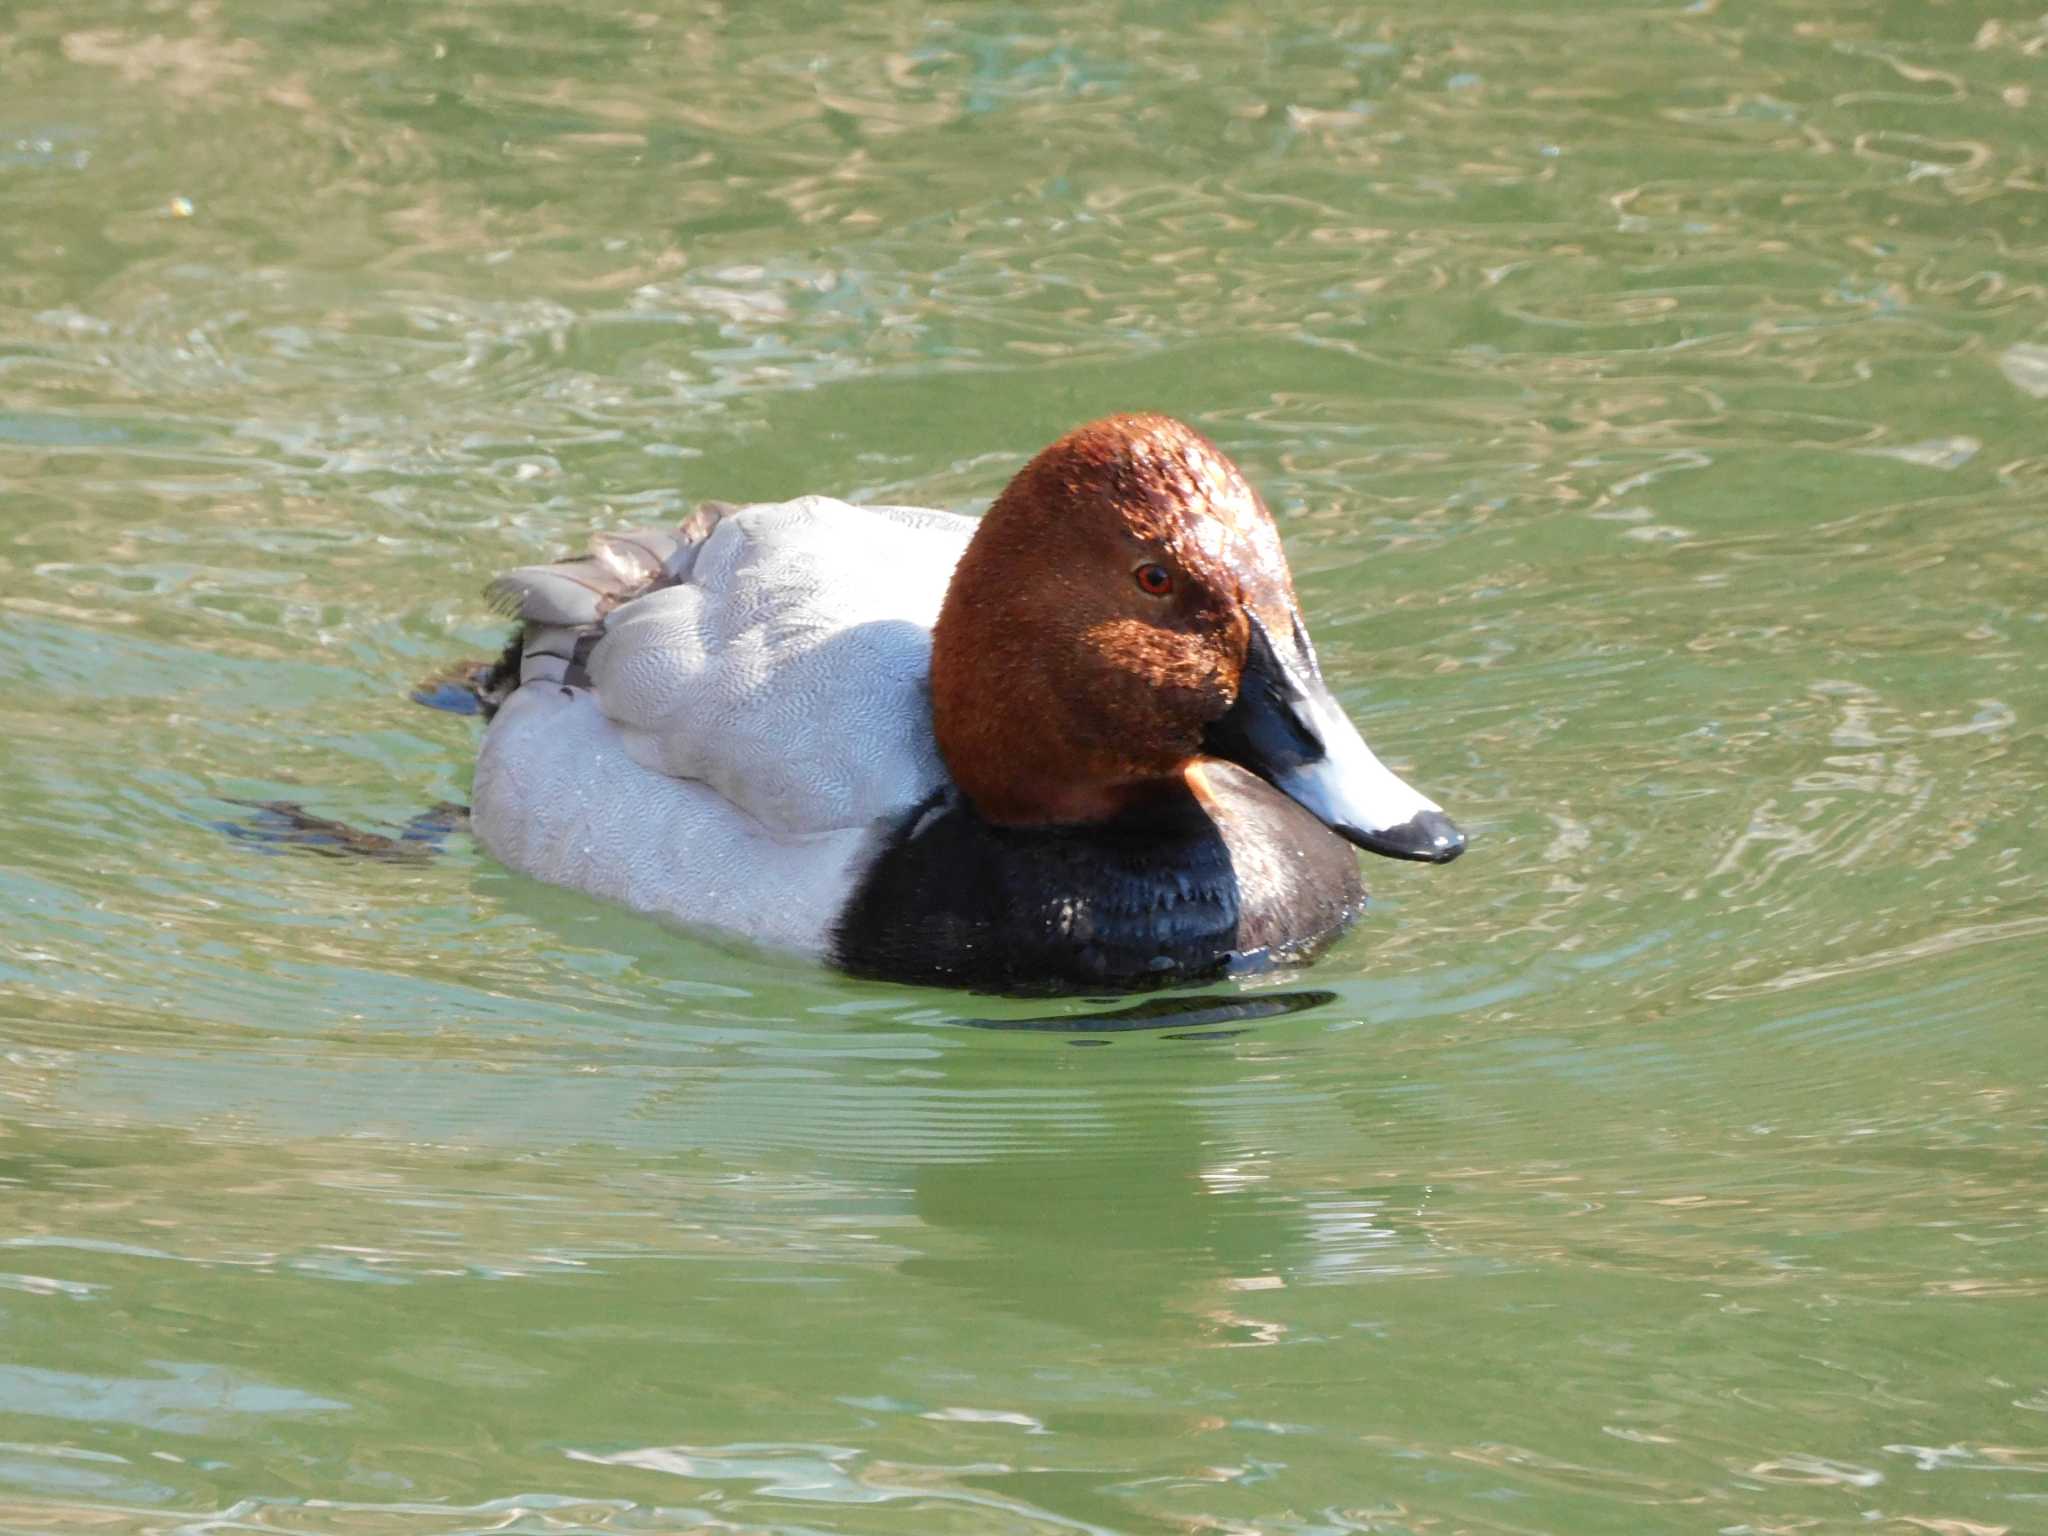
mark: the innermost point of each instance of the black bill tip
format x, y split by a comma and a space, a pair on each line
1428, 837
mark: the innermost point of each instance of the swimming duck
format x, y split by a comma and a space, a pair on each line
1081, 744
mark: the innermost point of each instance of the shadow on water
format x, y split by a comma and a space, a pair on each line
1167, 1013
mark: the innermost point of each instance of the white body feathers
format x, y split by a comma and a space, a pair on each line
718, 750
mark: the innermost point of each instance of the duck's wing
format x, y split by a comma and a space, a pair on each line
776, 654
708, 725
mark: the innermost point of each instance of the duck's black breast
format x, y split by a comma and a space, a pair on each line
1215, 873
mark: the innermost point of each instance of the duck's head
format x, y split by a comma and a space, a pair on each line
1125, 610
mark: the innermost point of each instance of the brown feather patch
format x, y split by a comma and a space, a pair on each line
1061, 689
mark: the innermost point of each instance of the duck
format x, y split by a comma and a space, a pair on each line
1080, 744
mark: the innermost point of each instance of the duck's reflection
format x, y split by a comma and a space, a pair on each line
1159, 1198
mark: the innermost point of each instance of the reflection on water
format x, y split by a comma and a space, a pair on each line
1651, 400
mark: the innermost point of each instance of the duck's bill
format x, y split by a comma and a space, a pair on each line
1286, 728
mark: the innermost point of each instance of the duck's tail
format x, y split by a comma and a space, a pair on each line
561, 610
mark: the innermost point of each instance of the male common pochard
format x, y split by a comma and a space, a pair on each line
1083, 743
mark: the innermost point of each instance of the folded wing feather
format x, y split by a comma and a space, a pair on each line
778, 654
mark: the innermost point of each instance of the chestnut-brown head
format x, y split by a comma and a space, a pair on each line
1125, 608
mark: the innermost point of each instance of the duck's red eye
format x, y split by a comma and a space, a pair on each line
1155, 580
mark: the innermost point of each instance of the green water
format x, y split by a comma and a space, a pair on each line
1655, 402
